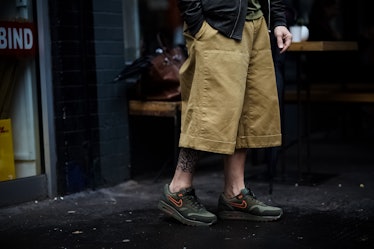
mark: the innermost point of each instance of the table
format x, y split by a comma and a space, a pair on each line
301, 48
155, 108
315, 46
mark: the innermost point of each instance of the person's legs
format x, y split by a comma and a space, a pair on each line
259, 127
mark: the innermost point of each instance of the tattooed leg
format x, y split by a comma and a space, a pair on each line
187, 160
183, 175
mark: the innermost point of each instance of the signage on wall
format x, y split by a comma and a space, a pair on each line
17, 38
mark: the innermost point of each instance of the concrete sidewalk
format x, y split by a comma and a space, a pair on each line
336, 210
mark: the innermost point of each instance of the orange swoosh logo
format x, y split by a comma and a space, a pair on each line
175, 202
241, 205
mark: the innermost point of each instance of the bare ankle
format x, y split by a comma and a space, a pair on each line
173, 188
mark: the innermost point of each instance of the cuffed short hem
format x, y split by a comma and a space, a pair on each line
259, 141
228, 148
206, 145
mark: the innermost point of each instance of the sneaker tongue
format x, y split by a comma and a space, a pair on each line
247, 191
189, 190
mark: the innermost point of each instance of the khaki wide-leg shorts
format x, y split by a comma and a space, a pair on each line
229, 94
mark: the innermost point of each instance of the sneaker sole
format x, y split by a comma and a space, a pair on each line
169, 210
236, 215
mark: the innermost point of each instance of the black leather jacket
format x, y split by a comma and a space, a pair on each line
228, 16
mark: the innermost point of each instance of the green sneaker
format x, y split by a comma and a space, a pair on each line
185, 207
245, 206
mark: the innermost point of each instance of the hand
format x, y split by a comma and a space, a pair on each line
284, 38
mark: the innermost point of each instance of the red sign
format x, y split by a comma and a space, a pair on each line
17, 38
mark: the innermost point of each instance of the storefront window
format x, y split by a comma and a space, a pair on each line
20, 154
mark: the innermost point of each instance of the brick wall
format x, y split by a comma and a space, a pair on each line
91, 119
